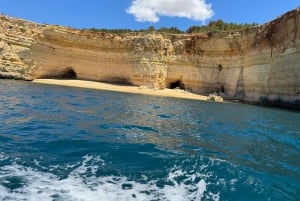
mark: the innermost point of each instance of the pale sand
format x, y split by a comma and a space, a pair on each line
175, 93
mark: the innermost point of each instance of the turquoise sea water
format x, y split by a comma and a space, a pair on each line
69, 144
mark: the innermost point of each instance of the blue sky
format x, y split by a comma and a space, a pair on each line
140, 14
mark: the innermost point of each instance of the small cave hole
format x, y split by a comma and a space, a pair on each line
220, 67
165, 51
69, 74
178, 84
222, 89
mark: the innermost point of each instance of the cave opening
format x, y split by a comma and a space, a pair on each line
222, 89
69, 74
220, 67
177, 84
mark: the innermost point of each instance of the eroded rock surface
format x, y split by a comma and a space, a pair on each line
257, 64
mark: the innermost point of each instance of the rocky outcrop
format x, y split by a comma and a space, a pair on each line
259, 64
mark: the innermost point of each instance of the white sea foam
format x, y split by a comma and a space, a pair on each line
3, 157
37, 185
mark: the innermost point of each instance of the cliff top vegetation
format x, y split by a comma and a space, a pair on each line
213, 26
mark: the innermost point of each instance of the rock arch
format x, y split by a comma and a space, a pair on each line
177, 84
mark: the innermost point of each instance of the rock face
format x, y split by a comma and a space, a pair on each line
259, 64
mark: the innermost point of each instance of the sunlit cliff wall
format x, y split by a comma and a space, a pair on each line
257, 64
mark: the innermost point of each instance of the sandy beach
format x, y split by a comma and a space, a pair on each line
175, 93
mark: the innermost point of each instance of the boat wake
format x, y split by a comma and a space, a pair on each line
18, 182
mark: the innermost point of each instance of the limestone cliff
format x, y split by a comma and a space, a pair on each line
259, 64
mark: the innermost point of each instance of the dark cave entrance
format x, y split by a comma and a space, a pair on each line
222, 89
178, 84
220, 67
69, 74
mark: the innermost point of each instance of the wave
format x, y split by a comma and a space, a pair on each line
18, 182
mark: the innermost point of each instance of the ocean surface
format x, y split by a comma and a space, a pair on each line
70, 144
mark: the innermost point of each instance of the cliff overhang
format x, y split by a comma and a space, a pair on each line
258, 64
